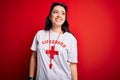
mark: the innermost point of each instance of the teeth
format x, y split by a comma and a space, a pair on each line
58, 19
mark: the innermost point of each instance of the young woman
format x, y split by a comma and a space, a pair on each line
54, 49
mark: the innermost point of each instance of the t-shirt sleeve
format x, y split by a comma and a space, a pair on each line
34, 43
72, 52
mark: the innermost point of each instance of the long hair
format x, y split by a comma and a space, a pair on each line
48, 23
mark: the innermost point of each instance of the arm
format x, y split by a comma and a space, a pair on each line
33, 62
73, 67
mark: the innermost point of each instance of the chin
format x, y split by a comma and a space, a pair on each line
58, 24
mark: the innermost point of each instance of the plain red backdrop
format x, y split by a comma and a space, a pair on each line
95, 24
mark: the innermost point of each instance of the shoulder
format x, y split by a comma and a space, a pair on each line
41, 32
70, 37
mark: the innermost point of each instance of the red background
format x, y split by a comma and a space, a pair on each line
95, 24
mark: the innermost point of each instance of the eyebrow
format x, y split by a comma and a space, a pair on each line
58, 10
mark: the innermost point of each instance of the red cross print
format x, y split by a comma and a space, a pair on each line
52, 52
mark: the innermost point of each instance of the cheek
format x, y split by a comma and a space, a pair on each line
64, 18
52, 18
53, 15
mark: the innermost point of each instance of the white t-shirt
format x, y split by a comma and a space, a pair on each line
66, 46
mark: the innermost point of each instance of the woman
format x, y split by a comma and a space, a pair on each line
54, 49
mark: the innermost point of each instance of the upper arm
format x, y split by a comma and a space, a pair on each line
34, 55
72, 51
73, 67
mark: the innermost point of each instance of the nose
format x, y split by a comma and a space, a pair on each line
59, 15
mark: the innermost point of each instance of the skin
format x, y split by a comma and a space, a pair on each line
57, 17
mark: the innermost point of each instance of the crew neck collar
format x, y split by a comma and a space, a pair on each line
53, 32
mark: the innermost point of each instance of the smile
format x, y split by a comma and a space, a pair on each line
58, 19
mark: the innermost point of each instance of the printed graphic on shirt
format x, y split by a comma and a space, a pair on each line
54, 42
53, 61
51, 51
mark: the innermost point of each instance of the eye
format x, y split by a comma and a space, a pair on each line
63, 13
55, 11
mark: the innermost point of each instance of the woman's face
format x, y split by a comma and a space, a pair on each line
58, 16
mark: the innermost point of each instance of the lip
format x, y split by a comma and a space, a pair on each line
58, 19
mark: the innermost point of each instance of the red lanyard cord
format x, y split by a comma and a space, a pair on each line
55, 40
53, 48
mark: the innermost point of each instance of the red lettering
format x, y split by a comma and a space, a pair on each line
54, 42
61, 43
58, 42
43, 42
64, 46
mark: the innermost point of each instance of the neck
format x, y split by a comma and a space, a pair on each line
56, 29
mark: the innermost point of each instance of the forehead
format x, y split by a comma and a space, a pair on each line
59, 8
